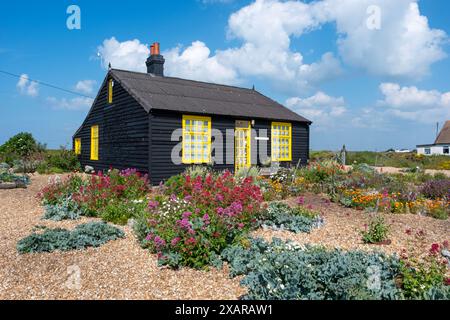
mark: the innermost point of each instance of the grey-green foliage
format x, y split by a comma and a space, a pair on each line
280, 216
248, 172
286, 271
92, 234
64, 210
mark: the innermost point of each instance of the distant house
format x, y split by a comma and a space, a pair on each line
161, 125
441, 146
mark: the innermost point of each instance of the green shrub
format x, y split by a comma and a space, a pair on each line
376, 232
280, 216
92, 234
286, 271
63, 160
119, 212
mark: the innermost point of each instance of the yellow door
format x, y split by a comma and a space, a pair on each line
242, 144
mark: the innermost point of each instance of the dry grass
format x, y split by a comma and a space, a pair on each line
122, 270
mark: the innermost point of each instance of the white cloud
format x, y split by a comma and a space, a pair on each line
404, 46
411, 103
127, 55
73, 104
324, 110
196, 62
27, 87
85, 86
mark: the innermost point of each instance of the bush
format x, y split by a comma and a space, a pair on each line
286, 271
191, 227
280, 216
377, 231
92, 234
21, 145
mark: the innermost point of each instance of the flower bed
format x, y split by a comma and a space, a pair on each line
194, 219
363, 188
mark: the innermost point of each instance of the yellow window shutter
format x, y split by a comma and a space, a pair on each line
110, 91
94, 142
78, 146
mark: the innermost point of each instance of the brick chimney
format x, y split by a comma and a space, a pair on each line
155, 63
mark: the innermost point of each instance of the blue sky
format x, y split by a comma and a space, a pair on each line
371, 88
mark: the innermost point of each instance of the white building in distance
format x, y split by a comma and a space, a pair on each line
441, 146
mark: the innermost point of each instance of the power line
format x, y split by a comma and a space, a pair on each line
46, 84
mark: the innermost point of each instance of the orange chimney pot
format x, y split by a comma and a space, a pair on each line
156, 50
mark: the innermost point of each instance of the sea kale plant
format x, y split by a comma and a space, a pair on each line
279, 216
66, 209
288, 271
191, 224
92, 234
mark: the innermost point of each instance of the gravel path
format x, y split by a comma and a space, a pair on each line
117, 270
122, 270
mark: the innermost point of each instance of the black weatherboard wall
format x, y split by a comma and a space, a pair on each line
123, 131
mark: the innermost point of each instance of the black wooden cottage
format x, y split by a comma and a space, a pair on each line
135, 117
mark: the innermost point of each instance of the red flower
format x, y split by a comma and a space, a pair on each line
435, 248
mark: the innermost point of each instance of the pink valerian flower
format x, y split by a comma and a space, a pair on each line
206, 219
219, 197
300, 201
188, 198
241, 225
149, 237
310, 207
153, 205
191, 240
175, 241
445, 244
173, 197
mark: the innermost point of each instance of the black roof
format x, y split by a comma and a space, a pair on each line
174, 94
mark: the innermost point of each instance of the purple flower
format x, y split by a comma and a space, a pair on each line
219, 197
188, 198
159, 242
153, 205
186, 215
184, 224
206, 217
173, 197
300, 201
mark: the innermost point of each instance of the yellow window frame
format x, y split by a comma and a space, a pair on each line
110, 90
281, 141
94, 142
196, 146
77, 146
